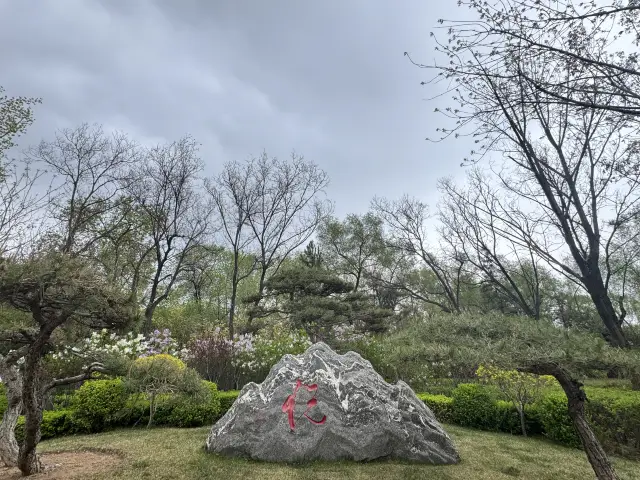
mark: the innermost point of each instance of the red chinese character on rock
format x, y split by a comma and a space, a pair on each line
289, 405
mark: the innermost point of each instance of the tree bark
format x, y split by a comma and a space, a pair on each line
148, 319
152, 409
13, 384
28, 461
523, 423
604, 306
575, 398
234, 291
261, 286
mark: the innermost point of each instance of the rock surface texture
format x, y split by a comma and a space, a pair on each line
325, 406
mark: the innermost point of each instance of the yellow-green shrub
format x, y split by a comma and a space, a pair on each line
160, 375
97, 403
520, 388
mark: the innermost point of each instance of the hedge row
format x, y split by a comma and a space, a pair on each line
613, 414
101, 404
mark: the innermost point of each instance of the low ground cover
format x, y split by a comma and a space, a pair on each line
176, 454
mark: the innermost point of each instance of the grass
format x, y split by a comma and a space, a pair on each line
176, 454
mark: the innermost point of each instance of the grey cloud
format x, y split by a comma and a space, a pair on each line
327, 79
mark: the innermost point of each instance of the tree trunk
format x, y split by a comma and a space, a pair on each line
152, 409
575, 398
148, 319
523, 423
604, 306
256, 303
234, 292
28, 460
635, 380
13, 384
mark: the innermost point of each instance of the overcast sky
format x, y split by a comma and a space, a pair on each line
327, 79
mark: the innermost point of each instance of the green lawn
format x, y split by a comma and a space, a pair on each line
171, 453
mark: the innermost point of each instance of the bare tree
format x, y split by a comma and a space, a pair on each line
90, 167
22, 201
479, 226
124, 252
406, 219
566, 160
592, 39
20, 198
234, 198
288, 209
164, 186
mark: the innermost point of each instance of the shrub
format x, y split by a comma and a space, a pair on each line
554, 416
615, 418
473, 406
55, 423
226, 400
162, 374
254, 355
246, 358
135, 412
440, 405
442, 386
97, 402
113, 350
161, 342
195, 412
211, 355
520, 388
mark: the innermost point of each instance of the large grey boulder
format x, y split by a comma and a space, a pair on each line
325, 406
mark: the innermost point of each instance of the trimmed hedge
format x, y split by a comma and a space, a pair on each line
440, 405
96, 404
613, 414
99, 404
226, 400
55, 423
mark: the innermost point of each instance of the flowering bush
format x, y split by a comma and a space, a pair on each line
161, 342
104, 344
255, 355
211, 355
248, 357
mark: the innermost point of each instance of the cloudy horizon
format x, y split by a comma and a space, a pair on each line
328, 81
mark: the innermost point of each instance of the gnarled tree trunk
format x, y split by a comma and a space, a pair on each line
12, 380
575, 398
28, 461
